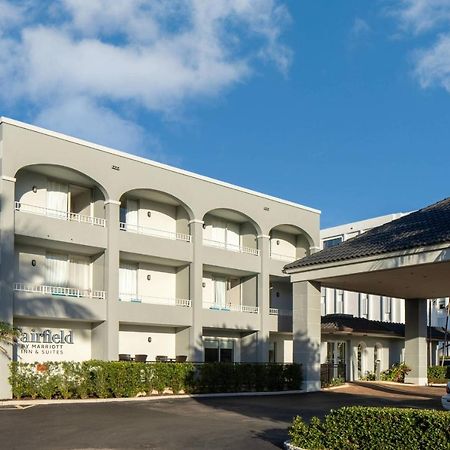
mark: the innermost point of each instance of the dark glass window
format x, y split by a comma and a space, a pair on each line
332, 242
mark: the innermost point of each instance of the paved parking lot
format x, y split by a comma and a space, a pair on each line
214, 423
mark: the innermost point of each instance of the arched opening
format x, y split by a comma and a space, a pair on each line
361, 360
49, 267
288, 243
230, 230
61, 193
155, 213
377, 359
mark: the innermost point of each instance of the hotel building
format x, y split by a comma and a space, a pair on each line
105, 253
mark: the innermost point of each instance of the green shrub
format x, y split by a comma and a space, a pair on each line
438, 374
396, 373
373, 428
104, 379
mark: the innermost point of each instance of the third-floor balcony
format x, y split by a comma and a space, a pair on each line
155, 232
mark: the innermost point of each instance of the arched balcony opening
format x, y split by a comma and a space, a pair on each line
230, 230
60, 193
288, 243
155, 213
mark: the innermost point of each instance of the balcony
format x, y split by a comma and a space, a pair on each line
155, 300
231, 307
231, 247
61, 215
147, 231
58, 291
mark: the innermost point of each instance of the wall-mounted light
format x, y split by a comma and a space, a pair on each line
149, 339
34, 189
149, 277
266, 208
277, 294
149, 214
33, 262
278, 242
203, 284
204, 226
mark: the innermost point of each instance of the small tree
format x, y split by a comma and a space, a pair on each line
8, 335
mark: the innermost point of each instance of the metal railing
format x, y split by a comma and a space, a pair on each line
154, 232
281, 257
329, 372
231, 307
61, 215
133, 298
280, 312
230, 247
59, 291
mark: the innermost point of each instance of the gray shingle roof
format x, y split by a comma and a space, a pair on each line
425, 227
346, 323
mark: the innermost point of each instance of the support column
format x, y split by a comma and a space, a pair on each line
416, 340
7, 265
105, 336
306, 332
263, 294
195, 290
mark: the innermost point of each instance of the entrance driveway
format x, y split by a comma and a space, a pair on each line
206, 423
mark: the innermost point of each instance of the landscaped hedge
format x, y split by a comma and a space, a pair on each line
438, 374
370, 428
103, 379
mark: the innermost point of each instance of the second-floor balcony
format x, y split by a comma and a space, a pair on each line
148, 231
230, 247
59, 291
59, 214
231, 307
133, 298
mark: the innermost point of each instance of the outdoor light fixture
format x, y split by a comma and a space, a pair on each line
149, 214
149, 277
33, 262
278, 294
34, 189
149, 339
204, 226
203, 284
278, 242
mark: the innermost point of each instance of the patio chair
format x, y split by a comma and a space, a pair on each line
161, 358
140, 358
180, 358
124, 357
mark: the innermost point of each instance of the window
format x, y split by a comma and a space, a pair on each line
339, 297
219, 350
323, 302
328, 243
57, 199
128, 282
272, 352
387, 306
220, 291
364, 306
68, 271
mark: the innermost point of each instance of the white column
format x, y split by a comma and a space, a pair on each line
7, 275
306, 332
416, 340
264, 299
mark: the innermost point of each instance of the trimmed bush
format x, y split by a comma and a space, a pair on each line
438, 374
104, 379
370, 428
396, 373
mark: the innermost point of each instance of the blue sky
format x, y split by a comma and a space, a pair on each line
342, 106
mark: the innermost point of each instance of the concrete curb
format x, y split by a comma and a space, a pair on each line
144, 399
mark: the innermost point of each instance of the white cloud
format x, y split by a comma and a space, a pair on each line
85, 119
155, 55
420, 16
432, 66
